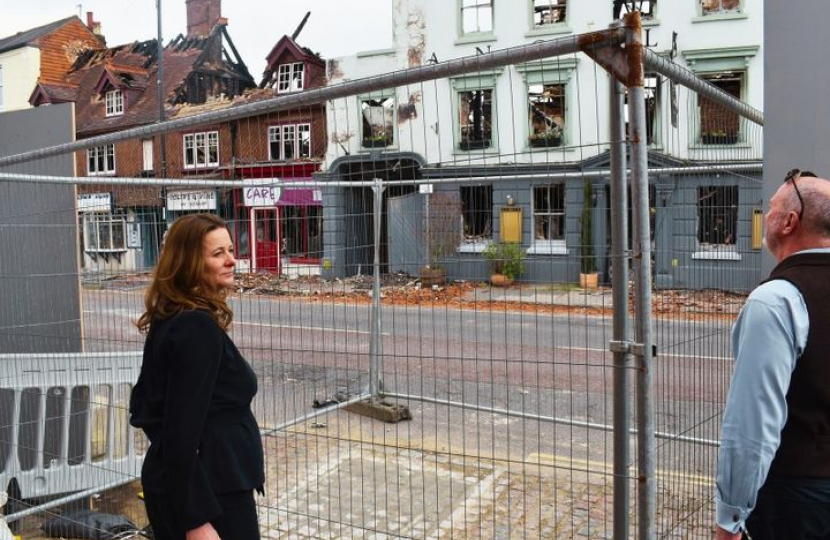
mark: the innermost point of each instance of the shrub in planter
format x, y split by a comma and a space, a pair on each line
506, 259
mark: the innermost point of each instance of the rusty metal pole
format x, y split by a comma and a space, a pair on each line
642, 347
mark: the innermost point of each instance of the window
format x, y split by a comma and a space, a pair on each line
717, 215
548, 12
549, 213
147, 155
115, 102
475, 119
711, 7
651, 90
719, 125
291, 77
302, 230
103, 232
476, 16
378, 121
546, 110
289, 142
477, 213
201, 150
101, 160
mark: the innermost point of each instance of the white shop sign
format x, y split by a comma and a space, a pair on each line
191, 200
261, 192
95, 202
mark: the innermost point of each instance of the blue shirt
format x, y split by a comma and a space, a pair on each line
769, 336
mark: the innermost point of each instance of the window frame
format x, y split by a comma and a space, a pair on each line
475, 243
392, 138
114, 102
713, 250
147, 155
92, 226
556, 246
291, 72
485, 80
559, 71
720, 14
560, 27
206, 136
281, 130
100, 155
476, 34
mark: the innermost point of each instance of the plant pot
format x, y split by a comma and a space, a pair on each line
719, 139
375, 143
589, 281
474, 144
552, 142
432, 276
500, 280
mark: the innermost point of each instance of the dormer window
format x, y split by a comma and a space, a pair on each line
291, 77
114, 100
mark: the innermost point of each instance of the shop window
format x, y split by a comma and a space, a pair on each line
114, 100
546, 109
201, 150
104, 232
302, 229
476, 16
101, 160
714, 7
291, 77
289, 142
548, 12
378, 122
477, 214
717, 215
719, 125
475, 119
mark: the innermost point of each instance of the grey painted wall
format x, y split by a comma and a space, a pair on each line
796, 92
40, 308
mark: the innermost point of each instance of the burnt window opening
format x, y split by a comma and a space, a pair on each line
476, 16
378, 117
547, 12
476, 119
290, 77
546, 110
201, 150
712, 7
477, 213
645, 7
549, 213
651, 91
718, 125
717, 215
289, 142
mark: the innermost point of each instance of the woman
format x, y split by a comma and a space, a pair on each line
193, 395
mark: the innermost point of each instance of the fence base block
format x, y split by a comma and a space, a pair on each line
391, 413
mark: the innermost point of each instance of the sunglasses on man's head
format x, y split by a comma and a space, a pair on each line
794, 175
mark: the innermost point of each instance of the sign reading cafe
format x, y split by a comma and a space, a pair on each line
191, 200
261, 192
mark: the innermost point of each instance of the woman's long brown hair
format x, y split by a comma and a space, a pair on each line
178, 282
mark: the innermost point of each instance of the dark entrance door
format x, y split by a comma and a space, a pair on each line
267, 239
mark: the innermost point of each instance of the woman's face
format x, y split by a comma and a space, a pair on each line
217, 251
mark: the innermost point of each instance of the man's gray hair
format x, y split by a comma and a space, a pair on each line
816, 210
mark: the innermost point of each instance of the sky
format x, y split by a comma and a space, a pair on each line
335, 28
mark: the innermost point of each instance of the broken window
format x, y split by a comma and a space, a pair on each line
302, 230
710, 7
651, 90
547, 12
645, 7
718, 125
291, 141
378, 122
476, 119
114, 100
546, 109
103, 232
476, 16
717, 214
201, 150
290, 77
549, 212
100, 160
477, 213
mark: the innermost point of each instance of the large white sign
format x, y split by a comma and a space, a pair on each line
260, 192
191, 200
94, 202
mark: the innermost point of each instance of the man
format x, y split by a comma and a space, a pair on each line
773, 477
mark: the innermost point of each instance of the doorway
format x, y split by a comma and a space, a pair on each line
267, 239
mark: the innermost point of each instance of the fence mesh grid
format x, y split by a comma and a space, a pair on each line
509, 388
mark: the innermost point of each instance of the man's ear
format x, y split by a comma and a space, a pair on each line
791, 223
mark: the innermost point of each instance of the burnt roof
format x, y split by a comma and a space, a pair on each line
27, 37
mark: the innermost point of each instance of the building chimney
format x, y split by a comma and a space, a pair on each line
202, 16
92, 24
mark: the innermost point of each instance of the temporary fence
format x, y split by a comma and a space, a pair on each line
618, 189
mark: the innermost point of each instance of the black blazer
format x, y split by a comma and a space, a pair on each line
193, 400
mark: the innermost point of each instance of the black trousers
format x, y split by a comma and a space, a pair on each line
237, 522
790, 508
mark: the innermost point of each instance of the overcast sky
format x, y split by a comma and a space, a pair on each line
335, 28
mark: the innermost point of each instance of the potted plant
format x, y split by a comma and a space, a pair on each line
443, 236
378, 138
549, 138
588, 277
718, 136
506, 262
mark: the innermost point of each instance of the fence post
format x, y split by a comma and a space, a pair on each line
620, 332
646, 447
375, 349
